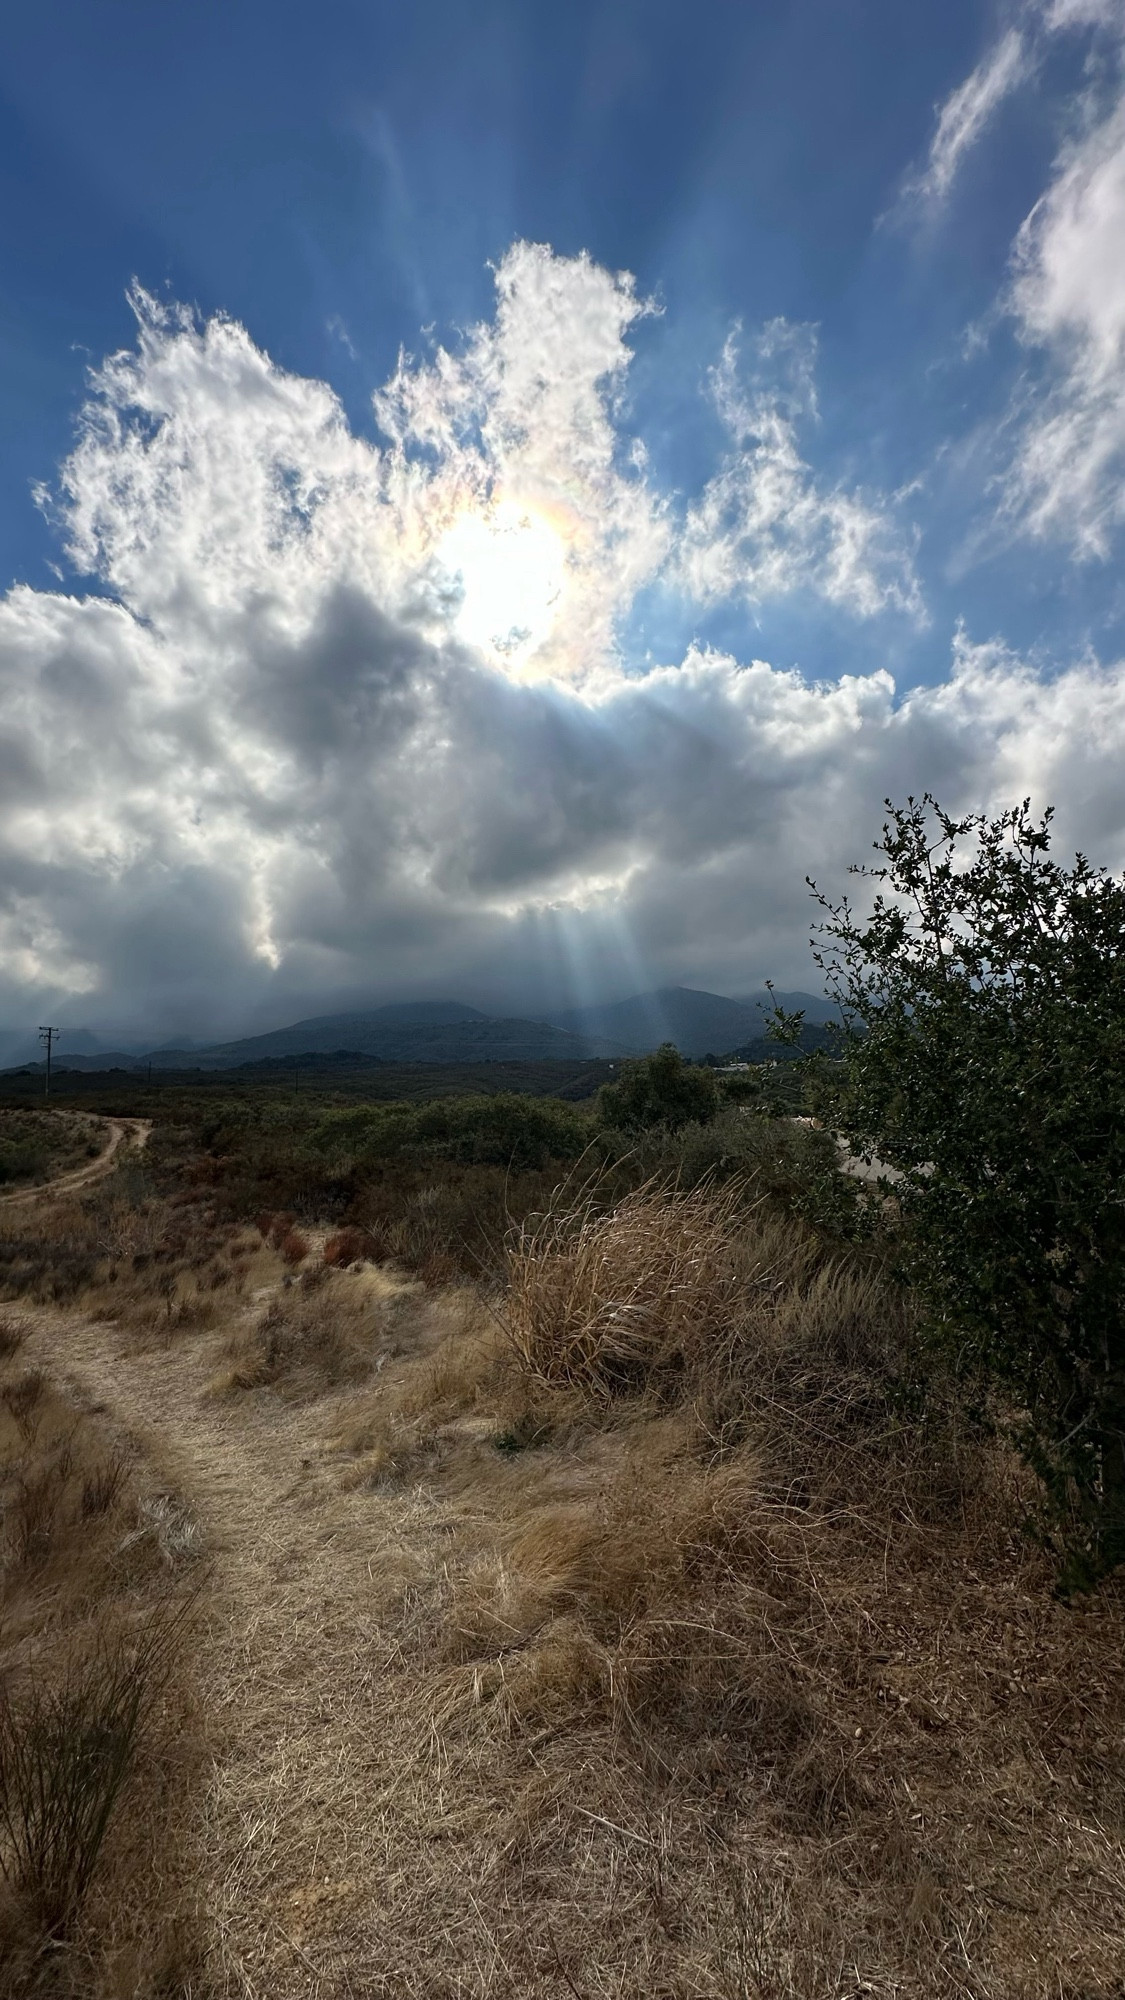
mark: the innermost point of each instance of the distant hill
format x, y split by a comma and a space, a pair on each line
427, 1031
448, 1031
699, 1023
379, 1031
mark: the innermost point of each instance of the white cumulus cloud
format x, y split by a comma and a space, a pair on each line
261, 765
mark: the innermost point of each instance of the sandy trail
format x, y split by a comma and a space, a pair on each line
290, 1664
122, 1131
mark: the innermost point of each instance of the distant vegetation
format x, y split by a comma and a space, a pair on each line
37, 1144
660, 1089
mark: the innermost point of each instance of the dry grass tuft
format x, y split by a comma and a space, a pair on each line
324, 1328
610, 1301
93, 1697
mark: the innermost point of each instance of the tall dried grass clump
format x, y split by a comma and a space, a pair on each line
705, 1293
65, 1753
97, 1727
616, 1300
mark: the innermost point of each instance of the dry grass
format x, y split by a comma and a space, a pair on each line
613, 1301
731, 1676
97, 1732
322, 1329
647, 1628
158, 1266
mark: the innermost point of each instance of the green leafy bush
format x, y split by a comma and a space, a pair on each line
502, 1131
660, 1089
793, 1166
989, 985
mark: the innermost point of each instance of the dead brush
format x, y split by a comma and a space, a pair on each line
347, 1246
65, 1752
294, 1247
12, 1336
630, 1298
323, 1329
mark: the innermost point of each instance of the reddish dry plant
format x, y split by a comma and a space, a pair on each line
347, 1246
294, 1247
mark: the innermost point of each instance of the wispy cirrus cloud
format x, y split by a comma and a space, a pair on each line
967, 112
1067, 478
766, 525
1064, 476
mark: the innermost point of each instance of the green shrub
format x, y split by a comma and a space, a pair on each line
502, 1131
989, 983
796, 1167
660, 1089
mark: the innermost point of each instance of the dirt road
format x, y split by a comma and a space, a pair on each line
292, 1665
122, 1132
291, 1653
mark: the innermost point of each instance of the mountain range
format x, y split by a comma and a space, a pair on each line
448, 1031
699, 1023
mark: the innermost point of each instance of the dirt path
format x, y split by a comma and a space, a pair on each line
290, 1666
122, 1131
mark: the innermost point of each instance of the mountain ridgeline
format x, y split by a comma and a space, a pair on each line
448, 1031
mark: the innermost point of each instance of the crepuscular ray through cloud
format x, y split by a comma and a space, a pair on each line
269, 762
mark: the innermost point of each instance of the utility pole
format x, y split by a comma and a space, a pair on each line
48, 1037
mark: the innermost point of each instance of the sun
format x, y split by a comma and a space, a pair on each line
511, 566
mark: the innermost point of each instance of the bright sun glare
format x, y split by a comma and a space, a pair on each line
511, 565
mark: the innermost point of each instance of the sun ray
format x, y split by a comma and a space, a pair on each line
511, 566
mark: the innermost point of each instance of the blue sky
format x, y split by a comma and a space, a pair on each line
868, 423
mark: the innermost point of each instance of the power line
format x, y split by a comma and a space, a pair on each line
48, 1037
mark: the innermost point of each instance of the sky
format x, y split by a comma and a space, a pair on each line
491, 498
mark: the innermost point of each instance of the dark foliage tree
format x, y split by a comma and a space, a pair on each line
661, 1089
985, 993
